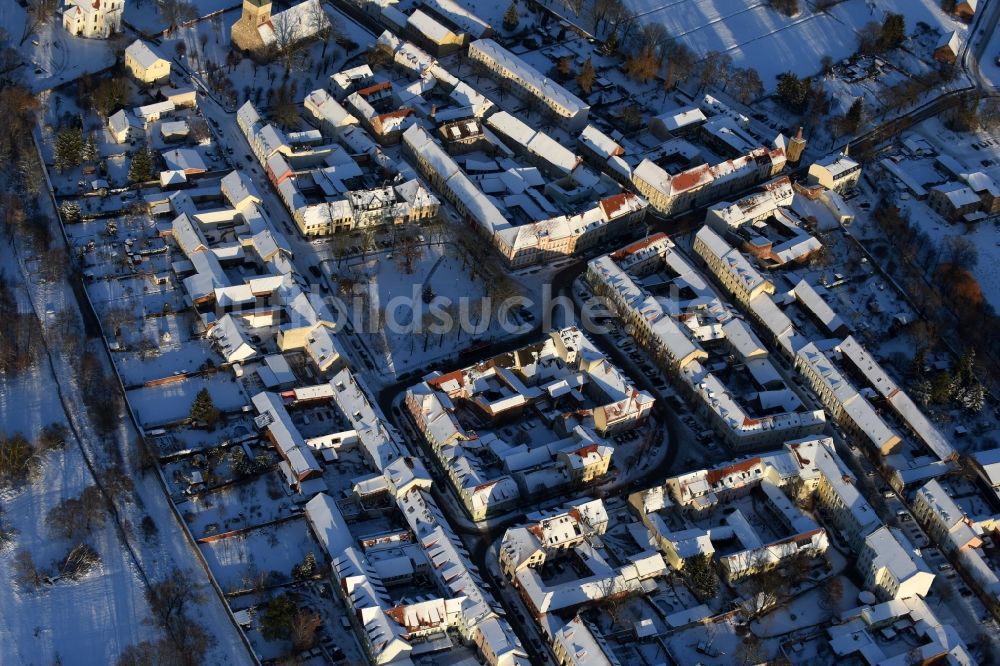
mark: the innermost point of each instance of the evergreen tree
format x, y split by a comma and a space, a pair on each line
893, 31
69, 148
510, 18
701, 576
855, 115
89, 152
965, 371
922, 390
973, 398
276, 622
919, 367
792, 91
941, 387
306, 568
70, 211
585, 79
203, 409
141, 168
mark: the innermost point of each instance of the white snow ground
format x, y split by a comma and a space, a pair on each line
89, 622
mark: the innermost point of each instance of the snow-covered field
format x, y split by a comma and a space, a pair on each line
156, 405
450, 278
93, 620
145, 16
235, 560
52, 56
757, 36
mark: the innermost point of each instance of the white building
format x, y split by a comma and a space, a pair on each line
944, 520
835, 172
891, 569
95, 19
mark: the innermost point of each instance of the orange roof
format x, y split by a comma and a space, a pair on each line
370, 90
438, 381
688, 179
401, 113
637, 246
714, 475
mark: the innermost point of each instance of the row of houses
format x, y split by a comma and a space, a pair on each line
307, 159
528, 243
705, 184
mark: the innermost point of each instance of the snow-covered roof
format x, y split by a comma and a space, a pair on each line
908, 410
891, 555
600, 143
837, 164
429, 28
285, 435
512, 66
406, 54
142, 54
733, 261
533, 141
346, 79
676, 119
981, 182
328, 525
854, 405
577, 642
814, 302
296, 23
467, 21
120, 121
174, 128
958, 195
187, 160
328, 110
380, 443
238, 189
951, 41
150, 112
990, 462
231, 340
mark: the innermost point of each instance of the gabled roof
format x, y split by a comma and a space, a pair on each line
143, 55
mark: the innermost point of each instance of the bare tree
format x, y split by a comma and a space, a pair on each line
79, 561
117, 484
303, 630
747, 84
198, 130
170, 600
714, 68
285, 39
408, 252
24, 570
763, 591
176, 12
40, 12
680, 64
613, 597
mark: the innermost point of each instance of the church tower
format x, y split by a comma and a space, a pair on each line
244, 34
257, 12
795, 147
